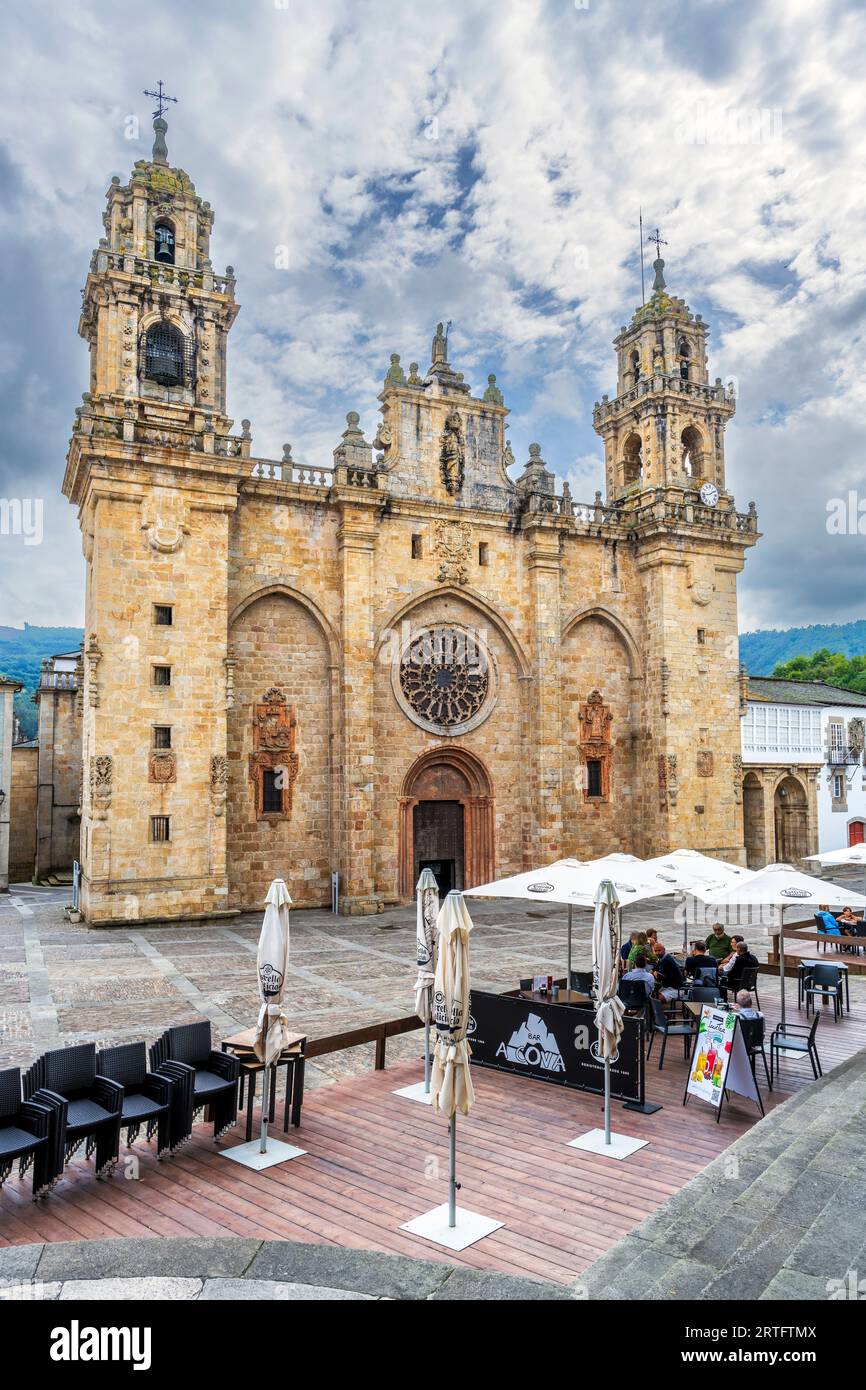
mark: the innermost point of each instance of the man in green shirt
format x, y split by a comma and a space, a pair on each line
718, 942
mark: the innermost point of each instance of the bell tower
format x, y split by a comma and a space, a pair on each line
154, 314
665, 428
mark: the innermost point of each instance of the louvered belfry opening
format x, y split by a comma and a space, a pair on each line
168, 357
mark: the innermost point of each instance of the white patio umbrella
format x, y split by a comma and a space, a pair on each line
687, 869
451, 1082
608, 1005
272, 964
427, 911
779, 886
833, 858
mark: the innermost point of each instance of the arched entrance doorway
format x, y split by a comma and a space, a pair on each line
446, 821
754, 836
791, 817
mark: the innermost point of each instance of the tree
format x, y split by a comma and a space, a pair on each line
834, 668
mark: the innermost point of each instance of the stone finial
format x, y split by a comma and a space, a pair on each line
566, 505
160, 148
493, 393
413, 378
245, 429
395, 376
659, 281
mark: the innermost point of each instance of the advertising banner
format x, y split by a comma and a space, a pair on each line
552, 1042
711, 1054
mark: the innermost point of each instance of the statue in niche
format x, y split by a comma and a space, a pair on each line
452, 454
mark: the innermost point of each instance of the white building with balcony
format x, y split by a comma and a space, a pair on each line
804, 779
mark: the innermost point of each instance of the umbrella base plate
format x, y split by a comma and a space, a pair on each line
251, 1156
433, 1225
620, 1146
416, 1092
647, 1107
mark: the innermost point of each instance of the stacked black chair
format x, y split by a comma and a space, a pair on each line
208, 1078
146, 1097
30, 1132
94, 1104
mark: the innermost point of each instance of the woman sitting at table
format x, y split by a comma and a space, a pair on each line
625, 950
827, 923
640, 947
850, 923
725, 965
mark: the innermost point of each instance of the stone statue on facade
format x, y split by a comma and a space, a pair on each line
452, 454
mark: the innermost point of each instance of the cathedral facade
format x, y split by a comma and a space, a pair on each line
422, 655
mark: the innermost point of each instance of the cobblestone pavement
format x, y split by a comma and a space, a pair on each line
62, 983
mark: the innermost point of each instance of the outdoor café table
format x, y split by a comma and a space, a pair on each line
565, 996
292, 1058
803, 969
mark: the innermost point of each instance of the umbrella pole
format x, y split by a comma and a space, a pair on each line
266, 1102
782, 962
607, 1100
568, 973
427, 1058
452, 1174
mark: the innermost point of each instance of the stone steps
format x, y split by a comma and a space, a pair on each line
777, 1215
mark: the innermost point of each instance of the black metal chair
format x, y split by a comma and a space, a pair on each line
633, 995
209, 1078
668, 1029
753, 1031
707, 975
795, 1037
704, 994
94, 1103
749, 981
581, 980
825, 980
146, 1096
29, 1133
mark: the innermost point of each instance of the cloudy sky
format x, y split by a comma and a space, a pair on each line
376, 166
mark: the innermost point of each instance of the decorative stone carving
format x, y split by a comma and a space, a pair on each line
595, 720
673, 788
413, 379
229, 665
665, 682
101, 780
274, 750
493, 393
395, 376
737, 764
445, 679
857, 736
452, 542
452, 454
706, 762
663, 779
744, 688
219, 781
93, 656
440, 345
164, 522
162, 767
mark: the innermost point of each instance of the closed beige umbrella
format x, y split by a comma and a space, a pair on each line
272, 964
608, 1005
427, 912
451, 1084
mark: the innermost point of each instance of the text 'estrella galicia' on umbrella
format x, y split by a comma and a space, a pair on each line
272, 980
795, 893
596, 1053
539, 887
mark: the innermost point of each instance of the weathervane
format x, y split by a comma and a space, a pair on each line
659, 240
161, 99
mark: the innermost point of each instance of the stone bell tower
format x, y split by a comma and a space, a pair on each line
154, 473
665, 427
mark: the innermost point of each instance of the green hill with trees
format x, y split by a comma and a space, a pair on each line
22, 650
763, 651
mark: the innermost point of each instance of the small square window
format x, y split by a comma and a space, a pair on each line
162, 675
702, 636
416, 547
162, 736
593, 777
163, 614
483, 554
160, 829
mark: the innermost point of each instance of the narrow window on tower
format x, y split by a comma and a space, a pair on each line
416, 547
163, 614
163, 243
702, 636
162, 737
160, 829
593, 777
272, 792
483, 557
162, 675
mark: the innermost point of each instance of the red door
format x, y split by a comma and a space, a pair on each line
855, 832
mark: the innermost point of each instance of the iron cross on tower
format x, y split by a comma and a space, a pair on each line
659, 240
160, 98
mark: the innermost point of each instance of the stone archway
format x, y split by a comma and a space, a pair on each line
446, 813
791, 815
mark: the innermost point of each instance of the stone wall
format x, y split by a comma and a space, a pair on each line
22, 838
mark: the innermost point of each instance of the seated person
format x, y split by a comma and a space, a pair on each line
850, 922
745, 1005
718, 943
640, 947
668, 972
652, 937
744, 960
699, 960
640, 972
725, 965
827, 922
625, 948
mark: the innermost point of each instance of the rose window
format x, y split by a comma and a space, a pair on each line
445, 677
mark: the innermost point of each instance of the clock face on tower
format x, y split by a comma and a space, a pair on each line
709, 494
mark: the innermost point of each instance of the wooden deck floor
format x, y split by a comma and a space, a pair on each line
376, 1160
